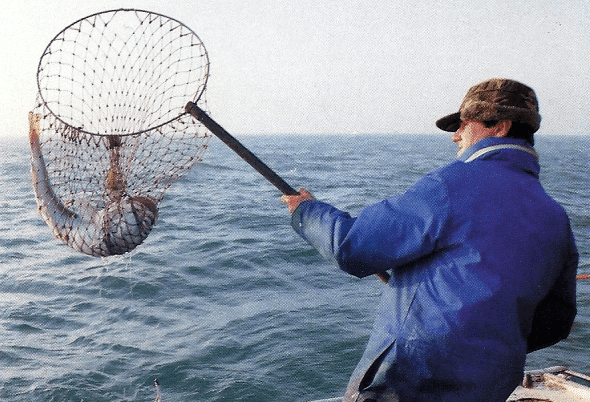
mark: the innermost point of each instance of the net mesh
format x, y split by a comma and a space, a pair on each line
109, 133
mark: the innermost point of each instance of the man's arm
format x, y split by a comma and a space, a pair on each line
384, 236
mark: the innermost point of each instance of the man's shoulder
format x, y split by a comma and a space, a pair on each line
459, 170
455, 170
459, 176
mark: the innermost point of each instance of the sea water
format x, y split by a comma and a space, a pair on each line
223, 301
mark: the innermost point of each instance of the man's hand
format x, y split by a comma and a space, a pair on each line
293, 201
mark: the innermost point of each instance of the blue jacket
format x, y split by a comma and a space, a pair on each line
483, 271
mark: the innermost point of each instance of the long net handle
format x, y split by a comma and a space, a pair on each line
249, 157
241, 150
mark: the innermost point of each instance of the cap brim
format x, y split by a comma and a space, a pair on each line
450, 123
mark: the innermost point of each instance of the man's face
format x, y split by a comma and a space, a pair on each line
469, 133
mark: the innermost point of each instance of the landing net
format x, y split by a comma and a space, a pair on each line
109, 133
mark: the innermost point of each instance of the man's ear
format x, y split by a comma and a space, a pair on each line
502, 128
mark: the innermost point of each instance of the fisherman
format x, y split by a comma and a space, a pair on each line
483, 262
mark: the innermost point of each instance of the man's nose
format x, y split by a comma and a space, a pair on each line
456, 137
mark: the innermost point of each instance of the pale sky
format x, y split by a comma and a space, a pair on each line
340, 66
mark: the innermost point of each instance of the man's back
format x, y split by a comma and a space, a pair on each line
453, 324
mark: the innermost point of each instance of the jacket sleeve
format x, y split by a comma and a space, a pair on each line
555, 314
384, 236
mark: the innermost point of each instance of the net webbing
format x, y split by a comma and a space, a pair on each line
109, 133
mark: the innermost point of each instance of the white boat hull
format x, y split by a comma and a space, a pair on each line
553, 384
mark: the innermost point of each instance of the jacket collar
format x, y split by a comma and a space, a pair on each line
515, 150
491, 144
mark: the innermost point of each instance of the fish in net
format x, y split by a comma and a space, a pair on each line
109, 133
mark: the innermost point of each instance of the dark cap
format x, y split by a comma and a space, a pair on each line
496, 99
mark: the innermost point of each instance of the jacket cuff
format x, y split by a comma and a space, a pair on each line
296, 218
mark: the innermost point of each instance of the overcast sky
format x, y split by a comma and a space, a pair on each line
340, 66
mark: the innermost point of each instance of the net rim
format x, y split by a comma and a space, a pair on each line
45, 104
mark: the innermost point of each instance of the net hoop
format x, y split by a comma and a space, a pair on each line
46, 99
109, 133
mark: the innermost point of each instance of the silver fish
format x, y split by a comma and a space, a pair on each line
158, 396
115, 228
